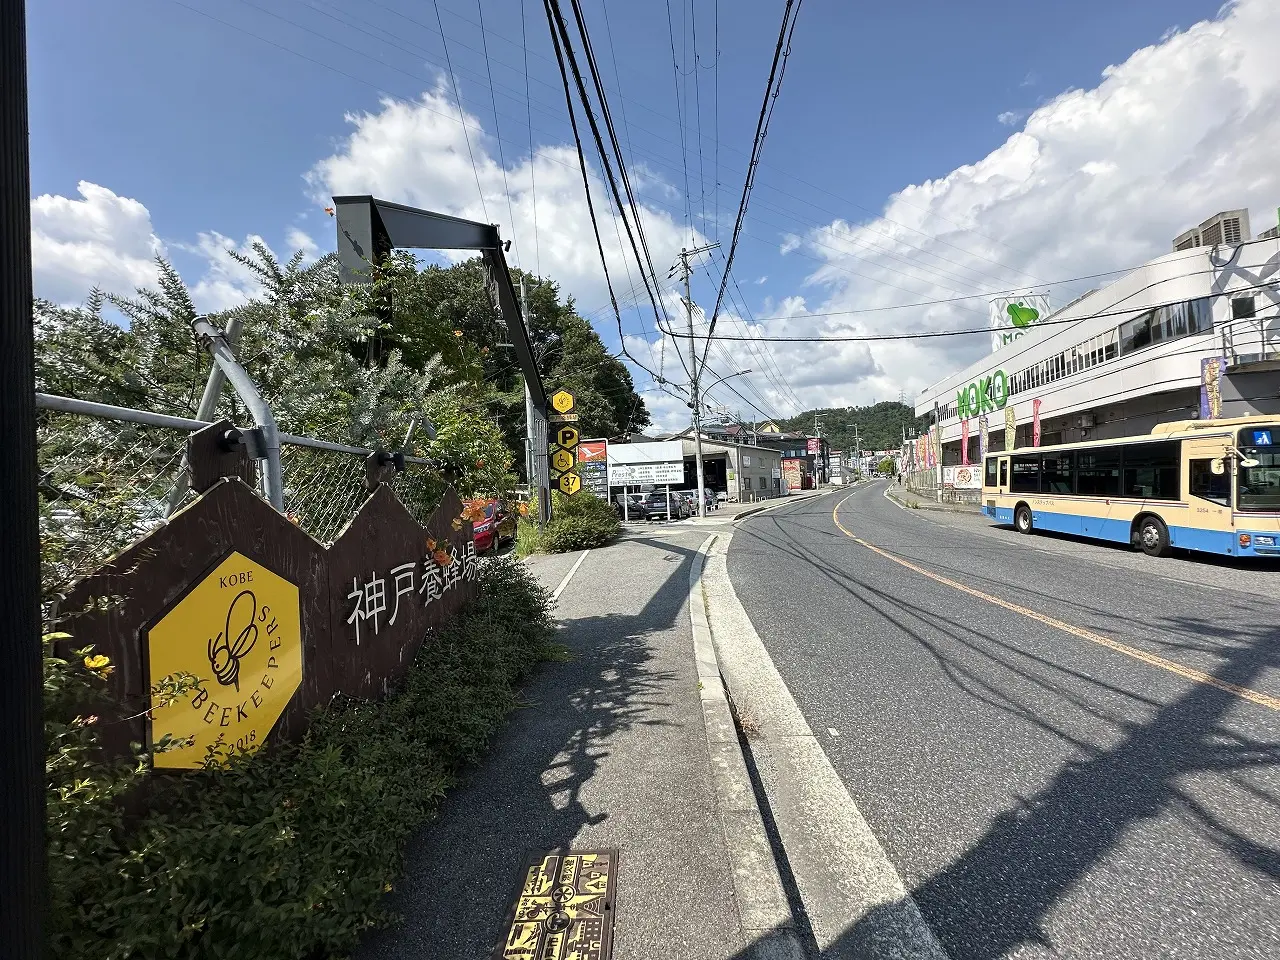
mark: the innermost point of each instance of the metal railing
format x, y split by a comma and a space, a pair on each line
1251, 340
108, 476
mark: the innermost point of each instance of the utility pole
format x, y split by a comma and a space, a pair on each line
22, 871
530, 440
694, 372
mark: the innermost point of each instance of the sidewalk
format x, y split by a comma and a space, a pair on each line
610, 751
909, 498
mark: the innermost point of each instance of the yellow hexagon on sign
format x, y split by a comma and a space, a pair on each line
562, 460
570, 483
567, 437
562, 401
239, 631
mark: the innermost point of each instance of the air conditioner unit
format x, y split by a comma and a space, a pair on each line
1084, 421
1229, 227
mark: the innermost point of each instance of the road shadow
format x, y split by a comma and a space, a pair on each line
994, 899
462, 871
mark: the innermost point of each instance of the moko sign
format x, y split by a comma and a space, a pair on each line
983, 396
238, 630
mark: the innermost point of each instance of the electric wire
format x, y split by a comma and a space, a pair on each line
533, 157
684, 152
497, 128
461, 112
780, 55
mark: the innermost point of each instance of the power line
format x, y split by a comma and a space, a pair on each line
776, 70
465, 136
928, 335
533, 157
878, 216
502, 160
697, 104
557, 33
684, 152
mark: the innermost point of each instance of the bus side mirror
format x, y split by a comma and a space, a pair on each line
1218, 467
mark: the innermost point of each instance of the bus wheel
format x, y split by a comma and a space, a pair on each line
1022, 518
1153, 537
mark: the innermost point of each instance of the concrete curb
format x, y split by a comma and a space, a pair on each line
933, 505
856, 903
786, 502
762, 901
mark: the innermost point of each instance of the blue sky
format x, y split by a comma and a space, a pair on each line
213, 126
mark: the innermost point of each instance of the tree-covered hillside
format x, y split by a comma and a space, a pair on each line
880, 426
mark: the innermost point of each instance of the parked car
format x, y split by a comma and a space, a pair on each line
497, 528
656, 504
689, 498
635, 510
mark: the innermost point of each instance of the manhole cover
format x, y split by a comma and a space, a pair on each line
565, 908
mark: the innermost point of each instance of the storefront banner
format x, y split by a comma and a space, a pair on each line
1010, 427
964, 443
1211, 387
1035, 423
982, 438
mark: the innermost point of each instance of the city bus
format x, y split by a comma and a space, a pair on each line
1206, 485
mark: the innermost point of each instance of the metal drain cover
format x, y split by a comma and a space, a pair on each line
565, 908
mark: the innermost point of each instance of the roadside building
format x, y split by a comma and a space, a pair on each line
733, 464
1192, 334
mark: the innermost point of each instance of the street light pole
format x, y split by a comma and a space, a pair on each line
22, 873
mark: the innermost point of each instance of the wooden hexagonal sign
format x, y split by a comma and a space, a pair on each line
239, 631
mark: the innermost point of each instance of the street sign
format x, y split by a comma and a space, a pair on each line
562, 460
562, 401
563, 418
593, 466
569, 483
567, 437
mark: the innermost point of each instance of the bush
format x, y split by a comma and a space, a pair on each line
287, 853
579, 522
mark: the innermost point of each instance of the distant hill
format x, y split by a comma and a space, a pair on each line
880, 426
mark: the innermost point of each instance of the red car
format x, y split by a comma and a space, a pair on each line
498, 526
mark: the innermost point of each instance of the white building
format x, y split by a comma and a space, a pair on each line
1133, 354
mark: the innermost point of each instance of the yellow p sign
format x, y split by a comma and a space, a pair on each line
567, 437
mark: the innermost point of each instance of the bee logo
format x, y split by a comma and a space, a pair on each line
224, 654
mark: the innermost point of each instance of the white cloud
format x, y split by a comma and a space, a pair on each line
296, 238
1011, 117
101, 239
1099, 179
790, 243
416, 153
760, 280
226, 282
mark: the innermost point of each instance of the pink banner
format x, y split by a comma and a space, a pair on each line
964, 443
1035, 423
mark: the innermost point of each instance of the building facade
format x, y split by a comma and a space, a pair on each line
1192, 334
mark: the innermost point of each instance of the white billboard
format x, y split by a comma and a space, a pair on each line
1011, 316
658, 462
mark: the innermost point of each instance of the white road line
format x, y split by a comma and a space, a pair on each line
853, 884
569, 576
833, 731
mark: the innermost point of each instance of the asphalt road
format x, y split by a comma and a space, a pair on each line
1065, 750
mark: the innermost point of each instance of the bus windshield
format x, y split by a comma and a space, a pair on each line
1259, 486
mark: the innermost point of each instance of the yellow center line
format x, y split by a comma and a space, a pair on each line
1199, 676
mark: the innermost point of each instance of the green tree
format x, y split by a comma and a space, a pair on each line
879, 426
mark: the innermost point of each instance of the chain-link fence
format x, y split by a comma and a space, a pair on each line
108, 476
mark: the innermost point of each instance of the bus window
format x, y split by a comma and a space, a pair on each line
989, 477
1026, 475
1098, 472
1004, 473
1151, 470
1056, 473
1260, 485
1209, 485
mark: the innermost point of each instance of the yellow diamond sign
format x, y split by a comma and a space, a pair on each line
570, 483
562, 401
239, 631
562, 460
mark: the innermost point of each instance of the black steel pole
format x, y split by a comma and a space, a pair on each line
22, 879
